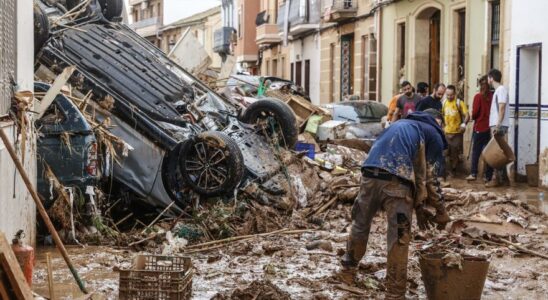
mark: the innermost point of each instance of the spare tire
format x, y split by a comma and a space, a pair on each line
211, 164
265, 110
111, 8
41, 28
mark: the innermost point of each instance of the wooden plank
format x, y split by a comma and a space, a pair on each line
13, 270
50, 277
4, 284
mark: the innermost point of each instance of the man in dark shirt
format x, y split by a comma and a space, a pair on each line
422, 89
434, 100
399, 175
482, 134
406, 103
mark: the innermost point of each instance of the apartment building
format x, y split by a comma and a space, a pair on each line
246, 50
147, 19
202, 25
449, 41
348, 50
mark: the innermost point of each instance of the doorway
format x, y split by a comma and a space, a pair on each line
528, 107
427, 46
347, 68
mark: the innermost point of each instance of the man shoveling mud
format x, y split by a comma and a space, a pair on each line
399, 175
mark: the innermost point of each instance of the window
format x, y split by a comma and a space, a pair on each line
240, 23
267, 67
292, 73
495, 34
298, 73
307, 76
274, 67
401, 46
461, 46
332, 72
373, 69
365, 67
283, 68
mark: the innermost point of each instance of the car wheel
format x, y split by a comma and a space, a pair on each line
111, 8
211, 164
274, 116
41, 28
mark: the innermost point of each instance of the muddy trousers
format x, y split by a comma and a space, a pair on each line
395, 199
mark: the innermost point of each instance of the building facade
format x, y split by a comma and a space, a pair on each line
246, 50
528, 86
16, 67
202, 25
147, 18
348, 51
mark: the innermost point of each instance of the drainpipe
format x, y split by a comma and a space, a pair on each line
378, 20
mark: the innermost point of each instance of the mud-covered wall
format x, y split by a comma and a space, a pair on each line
17, 210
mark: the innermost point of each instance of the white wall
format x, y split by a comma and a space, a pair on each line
308, 49
17, 210
528, 26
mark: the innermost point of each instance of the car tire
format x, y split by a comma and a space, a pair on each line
111, 8
41, 28
211, 164
282, 113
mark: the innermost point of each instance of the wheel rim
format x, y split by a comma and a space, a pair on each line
207, 166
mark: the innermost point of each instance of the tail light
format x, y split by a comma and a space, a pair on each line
92, 162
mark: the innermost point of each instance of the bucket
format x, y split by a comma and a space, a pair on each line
450, 283
497, 153
532, 175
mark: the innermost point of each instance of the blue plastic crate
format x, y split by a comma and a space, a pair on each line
310, 149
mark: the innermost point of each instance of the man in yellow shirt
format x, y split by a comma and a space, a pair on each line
455, 116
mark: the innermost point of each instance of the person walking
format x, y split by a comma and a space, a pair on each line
399, 175
482, 133
499, 121
433, 100
422, 89
455, 117
406, 103
394, 101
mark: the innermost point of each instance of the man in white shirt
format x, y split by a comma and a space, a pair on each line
499, 118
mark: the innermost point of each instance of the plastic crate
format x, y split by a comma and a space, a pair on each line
157, 277
310, 149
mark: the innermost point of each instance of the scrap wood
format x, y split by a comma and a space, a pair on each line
10, 266
50, 277
222, 243
523, 249
347, 288
54, 90
41, 210
158, 217
145, 239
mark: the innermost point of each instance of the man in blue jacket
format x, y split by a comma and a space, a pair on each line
399, 175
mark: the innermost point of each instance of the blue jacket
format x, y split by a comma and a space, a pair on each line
397, 148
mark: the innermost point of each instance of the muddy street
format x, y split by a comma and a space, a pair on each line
285, 261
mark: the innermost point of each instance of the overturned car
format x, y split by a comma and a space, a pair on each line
185, 138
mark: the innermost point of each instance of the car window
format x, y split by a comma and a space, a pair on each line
53, 116
368, 111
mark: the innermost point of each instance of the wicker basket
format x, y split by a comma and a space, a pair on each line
157, 277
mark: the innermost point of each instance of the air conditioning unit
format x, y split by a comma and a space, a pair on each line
222, 40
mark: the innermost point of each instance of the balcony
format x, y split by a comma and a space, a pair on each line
147, 27
223, 39
339, 10
135, 2
304, 16
267, 34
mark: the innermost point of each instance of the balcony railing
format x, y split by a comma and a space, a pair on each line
304, 16
267, 34
338, 10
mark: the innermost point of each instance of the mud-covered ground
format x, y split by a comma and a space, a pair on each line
284, 260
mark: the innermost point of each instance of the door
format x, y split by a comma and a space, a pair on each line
527, 115
434, 53
307, 76
298, 73
347, 70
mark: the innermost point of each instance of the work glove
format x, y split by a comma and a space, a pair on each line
424, 218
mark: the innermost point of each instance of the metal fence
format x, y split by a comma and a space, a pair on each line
8, 53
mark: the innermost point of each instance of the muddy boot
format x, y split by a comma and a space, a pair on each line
442, 218
346, 275
355, 250
396, 269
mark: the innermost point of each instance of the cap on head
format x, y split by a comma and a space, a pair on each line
434, 113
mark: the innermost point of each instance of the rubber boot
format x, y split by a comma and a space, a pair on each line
396, 269
355, 250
